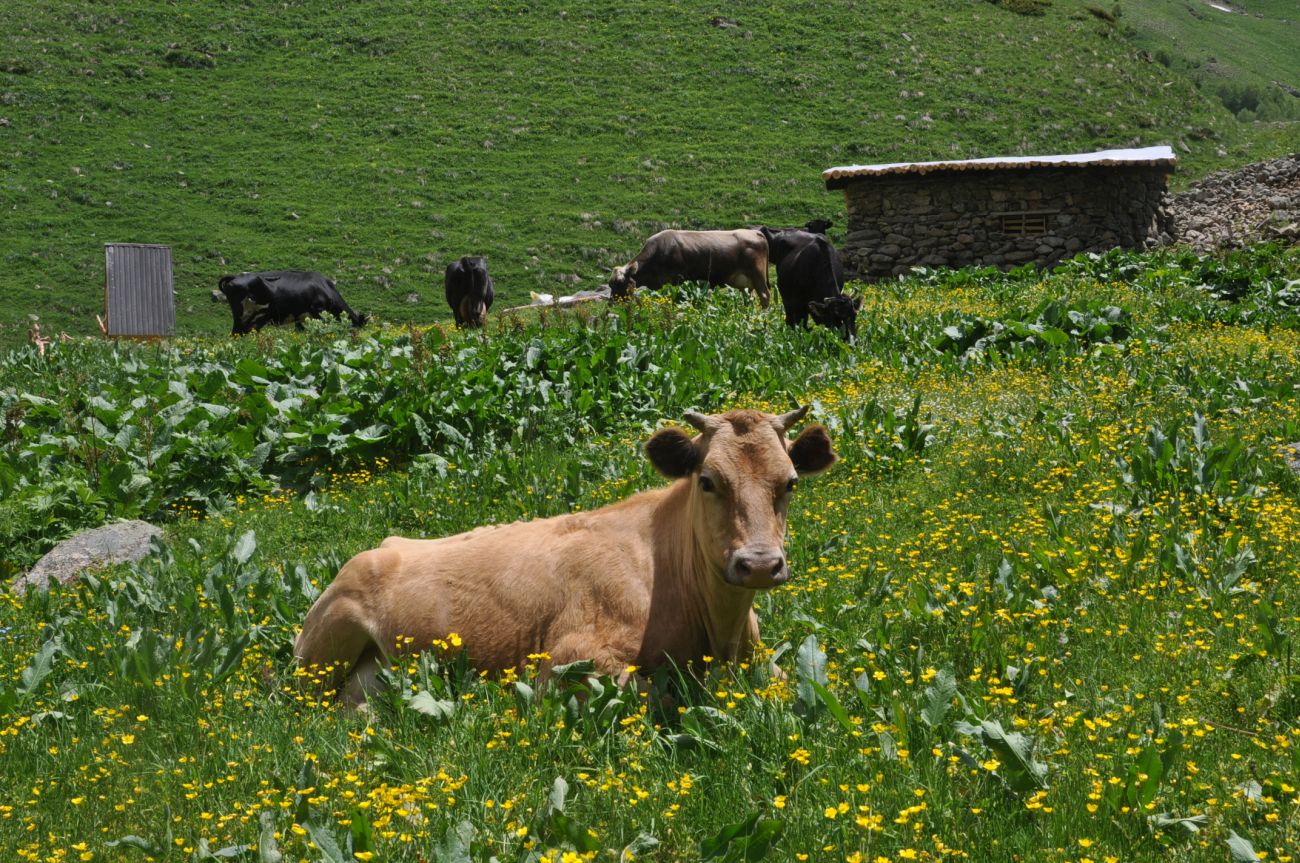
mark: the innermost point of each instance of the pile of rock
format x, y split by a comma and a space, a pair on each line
1228, 209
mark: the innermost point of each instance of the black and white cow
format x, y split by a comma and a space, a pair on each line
280, 296
469, 290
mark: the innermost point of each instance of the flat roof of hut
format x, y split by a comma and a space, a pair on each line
1162, 156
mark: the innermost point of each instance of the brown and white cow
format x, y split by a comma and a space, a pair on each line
737, 258
667, 574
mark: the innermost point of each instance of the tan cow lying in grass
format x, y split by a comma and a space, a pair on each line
667, 574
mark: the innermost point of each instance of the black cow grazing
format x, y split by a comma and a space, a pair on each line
810, 279
469, 290
280, 296
736, 258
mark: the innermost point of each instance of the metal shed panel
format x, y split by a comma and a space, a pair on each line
138, 297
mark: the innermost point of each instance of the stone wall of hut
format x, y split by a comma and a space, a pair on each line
1000, 218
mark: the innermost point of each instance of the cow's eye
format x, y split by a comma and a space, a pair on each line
706, 484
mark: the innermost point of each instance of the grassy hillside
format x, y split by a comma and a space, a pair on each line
376, 143
1246, 52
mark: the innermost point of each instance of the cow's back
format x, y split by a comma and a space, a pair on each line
702, 244
583, 573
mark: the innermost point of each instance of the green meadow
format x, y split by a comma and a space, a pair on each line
377, 143
1043, 608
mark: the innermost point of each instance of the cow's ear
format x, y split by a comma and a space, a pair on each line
672, 452
258, 291
811, 452
857, 303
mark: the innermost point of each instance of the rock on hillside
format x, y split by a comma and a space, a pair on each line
1256, 203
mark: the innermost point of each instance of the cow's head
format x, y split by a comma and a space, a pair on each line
839, 313
623, 282
222, 292
248, 297
742, 469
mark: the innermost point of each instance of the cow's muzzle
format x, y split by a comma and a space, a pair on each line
757, 569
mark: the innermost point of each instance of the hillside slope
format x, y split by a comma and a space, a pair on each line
1246, 52
378, 143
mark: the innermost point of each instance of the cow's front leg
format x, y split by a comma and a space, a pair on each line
575, 648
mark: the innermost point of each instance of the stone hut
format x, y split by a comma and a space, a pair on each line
1000, 212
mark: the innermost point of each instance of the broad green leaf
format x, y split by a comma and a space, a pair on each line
640, 845
139, 843
372, 434
566, 829
1190, 824
323, 836
363, 838
748, 840
245, 547
1152, 768
268, 850
759, 842
424, 702
456, 843
938, 698
1054, 337
712, 847
1242, 850
810, 668
42, 665
559, 790
579, 671
834, 707
1022, 772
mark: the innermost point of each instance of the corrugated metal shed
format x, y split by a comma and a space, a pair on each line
838, 178
138, 297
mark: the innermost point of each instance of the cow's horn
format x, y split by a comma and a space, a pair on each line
785, 421
701, 422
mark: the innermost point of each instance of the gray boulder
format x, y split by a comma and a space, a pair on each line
1291, 452
122, 542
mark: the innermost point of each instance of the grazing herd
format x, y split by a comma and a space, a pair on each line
809, 277
665, 576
